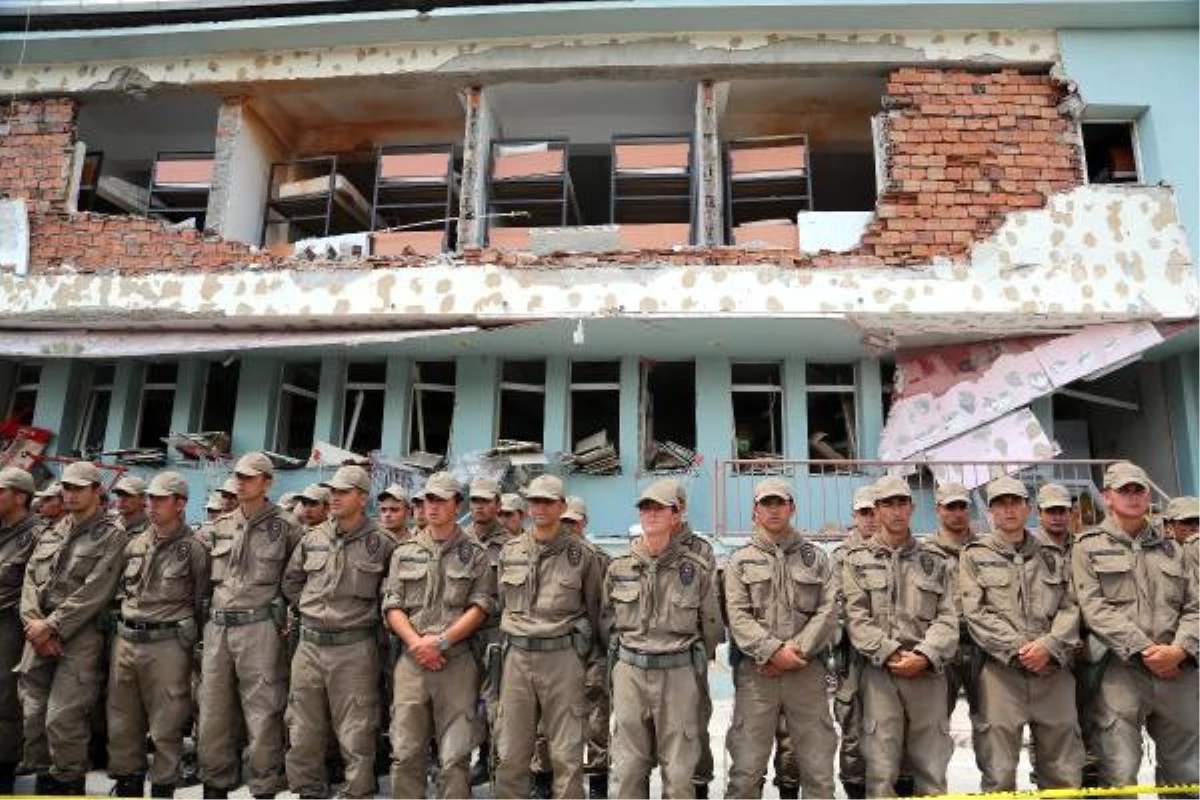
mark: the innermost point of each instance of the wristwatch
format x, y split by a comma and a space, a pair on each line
443, 643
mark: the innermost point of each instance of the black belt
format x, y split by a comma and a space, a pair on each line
331, 638
143, 632
540, 644
232, 618
633, 658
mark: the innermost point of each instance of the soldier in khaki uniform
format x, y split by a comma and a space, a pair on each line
661, 612
312, 506
440, 589
1054, 517
19, 532
214, 506
1017, 604
394, 506
229, 492
69, 582
1140, 607
50, 504
512, 513
130, 502
550, 591
902, 617
334, 579
244, 668
165, 575
781, 600
1182, 517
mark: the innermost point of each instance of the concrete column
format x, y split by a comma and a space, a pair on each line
869, 408
475, 401
795, 405
629, 447
714, 431
257, 405
555, 436
124, 406
59, 392
244, 151
331, 399
189, 395
1182, 377
396, 401
477, 145
708, 164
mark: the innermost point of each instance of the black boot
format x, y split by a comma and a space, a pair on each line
598, 786
542, 786
855, 791
45, 785
8, 777
215, 793
905, 786
701, 790
75, 788
162, 790
130, 786
789, 792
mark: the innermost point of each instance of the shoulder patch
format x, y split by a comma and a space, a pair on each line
372, 544
465, 550
808, 554
687, 573
574, 554
275, 528
928, 563
183, 551
1049, 559
1168, 547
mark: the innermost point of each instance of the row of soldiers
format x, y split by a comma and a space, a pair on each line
542, 626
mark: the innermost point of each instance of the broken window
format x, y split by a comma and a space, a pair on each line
220, 396
1110, 152
522, 406
595, 422
158, 401
89, 442
23, 400
297, 420
432, 406
668, 413
362, 411
758, 410
832, 426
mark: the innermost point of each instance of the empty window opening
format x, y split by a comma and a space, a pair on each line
1110, 152
832, 425
595, 421
758, 410
432, 407
158, 401
522, 406
220, 396
668, 414
89, 441
23, 401
362, 412
297, 421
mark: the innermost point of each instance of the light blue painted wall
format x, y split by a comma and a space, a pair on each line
1181, 377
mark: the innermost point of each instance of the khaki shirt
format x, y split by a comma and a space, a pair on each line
492, 538
900, 598
434, 583
1012, 595
249, 556
399, 536
854, 538
16, 546
698, 545
777, 594
73, 573
334, 578
1135, 592
546, 589
662, 604
136, 526
163, 580
1191, 554
1066, 545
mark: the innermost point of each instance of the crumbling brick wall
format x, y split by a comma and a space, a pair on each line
37, 140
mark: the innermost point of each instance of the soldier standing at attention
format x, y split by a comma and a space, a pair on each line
312, 506
781, 600
902, 617
131, 504
489, 532
50, 504
439, 591
228, 491
1140, 604
550, 591
19, 532
1017, 604
163, 586
1054, 517
244, 669
69, 582
512, 513
393, 504
333, 579
1182, 517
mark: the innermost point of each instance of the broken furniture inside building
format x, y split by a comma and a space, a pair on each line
179, 187
313, 197
767, 183
652, 191
416, 200
530, 187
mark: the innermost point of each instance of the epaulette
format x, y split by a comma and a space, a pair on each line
1089, 533
930, 547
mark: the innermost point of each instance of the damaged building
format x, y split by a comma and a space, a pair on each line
704, 239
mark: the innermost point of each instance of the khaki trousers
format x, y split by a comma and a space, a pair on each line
656, 723
12, 642
149, 691
596, 691
545, 688
334, 697
904, 720
439, 705
847, 708
57, 698
758, 702
1010, 699
243, 680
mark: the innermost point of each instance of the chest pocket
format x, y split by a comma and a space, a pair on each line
563, 592
365, 579
1052, 586
1171, 587
1115, 575
513, 580
683, 615
757, 578
928, 591
83, 560
456, 587
219, 556
41, 563
407, 581
806, 588
266, 556
176, 576
625, 597
996, 584
873, 580
133, 571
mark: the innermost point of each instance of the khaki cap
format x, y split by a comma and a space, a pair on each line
576, 509
545, 487
952, 493
253, 465
680, 494
512, 502
315, 493
772, 487
891, 486
130, 484
1053, 495
1006, 486
864, 498
349, 477
485, 489
215, 502
443, 485
166, 484
1182, 508
288, 499
664, 492
81, 473
229, 487
395, 492
16, 478
1124, 473
53, 489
